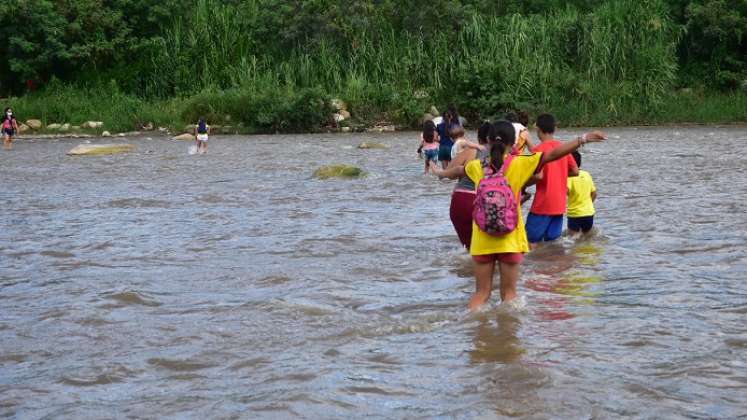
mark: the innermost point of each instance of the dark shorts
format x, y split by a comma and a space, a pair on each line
8, 131
444, 153
431, 154
543, 228
583, 224
460, 211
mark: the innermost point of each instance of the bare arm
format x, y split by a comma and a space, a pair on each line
573, 172
593, 196
570, 146
452, 172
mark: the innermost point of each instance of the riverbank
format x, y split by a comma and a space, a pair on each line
310, 110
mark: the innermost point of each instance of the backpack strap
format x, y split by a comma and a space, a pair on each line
506, 162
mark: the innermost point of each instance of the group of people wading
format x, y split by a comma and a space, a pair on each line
505, 155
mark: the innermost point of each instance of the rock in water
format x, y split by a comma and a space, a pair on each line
106, 134
54, 126
100, 149
34, 124
185, 136
92, 124
367, 145
22, 128
338, 171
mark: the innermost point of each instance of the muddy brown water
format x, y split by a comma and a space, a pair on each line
158, 284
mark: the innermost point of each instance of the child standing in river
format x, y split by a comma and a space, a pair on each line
429, 144
9, 127
581, 196
202, 131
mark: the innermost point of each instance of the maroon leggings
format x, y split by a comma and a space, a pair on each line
460, 211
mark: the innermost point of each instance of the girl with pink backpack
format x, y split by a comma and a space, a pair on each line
498, 233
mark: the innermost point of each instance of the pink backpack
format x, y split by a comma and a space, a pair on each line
496, 211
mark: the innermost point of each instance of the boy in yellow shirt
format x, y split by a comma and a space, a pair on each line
581, 196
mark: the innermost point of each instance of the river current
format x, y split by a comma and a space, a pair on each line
234, 285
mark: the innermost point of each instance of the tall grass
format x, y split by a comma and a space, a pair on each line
614, 63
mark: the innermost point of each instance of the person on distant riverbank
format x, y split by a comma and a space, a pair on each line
9, 128
581, 195
545, 220
507, 249
429, 144
202, 132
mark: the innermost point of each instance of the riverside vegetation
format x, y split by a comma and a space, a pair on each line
274, 66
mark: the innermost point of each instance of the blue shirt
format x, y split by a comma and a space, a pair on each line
446, 140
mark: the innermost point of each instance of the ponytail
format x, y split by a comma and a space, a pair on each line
501, 139
497, 150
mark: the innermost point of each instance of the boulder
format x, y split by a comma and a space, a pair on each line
184, 136
338, 118
53, 126
388, 128
338, 171
338, 104
426, 117
345, 114
65, 127
148, 126
345, 129
434, 111
75, 127
34, 124
106, 134
22, 128
99, 149
92, 124
369, 145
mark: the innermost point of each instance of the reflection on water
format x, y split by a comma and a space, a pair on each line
233, 284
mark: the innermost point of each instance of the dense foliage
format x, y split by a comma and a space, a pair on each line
264, 62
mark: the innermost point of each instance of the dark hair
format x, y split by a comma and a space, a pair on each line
454, 114
577, 157
429, 131
485, 131
501, 140
546, 123
522, 117
8, 108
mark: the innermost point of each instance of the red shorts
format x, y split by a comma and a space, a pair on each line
504, 257
460, 211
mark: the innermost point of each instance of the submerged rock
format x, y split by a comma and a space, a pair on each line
100, 149
338, 171
368, 145
185, 136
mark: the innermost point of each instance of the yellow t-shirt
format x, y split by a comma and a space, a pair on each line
522, 168
579, 195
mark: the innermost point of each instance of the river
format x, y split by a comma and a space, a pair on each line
234, 285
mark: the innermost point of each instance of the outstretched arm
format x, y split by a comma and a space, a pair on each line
570, 146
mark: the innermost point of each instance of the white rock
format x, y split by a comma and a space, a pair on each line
345, 114
65, 127
53, 126
34, 124
338, 118
92, 124
184, 136
106, 134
